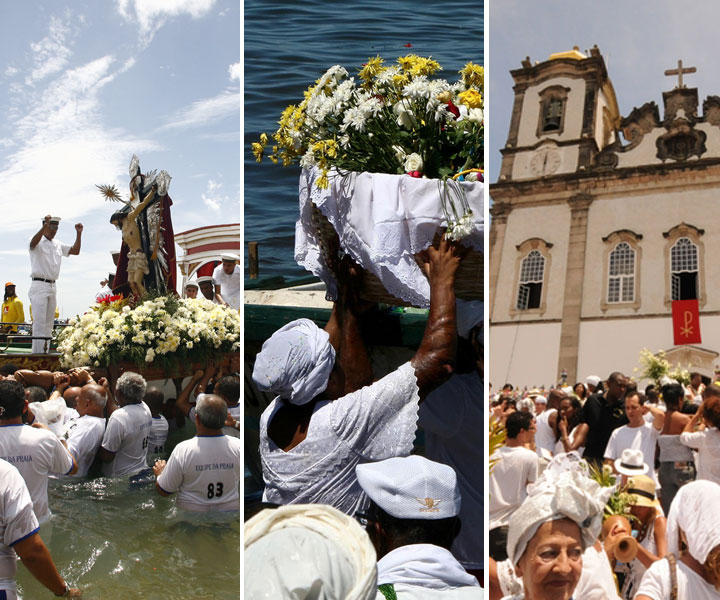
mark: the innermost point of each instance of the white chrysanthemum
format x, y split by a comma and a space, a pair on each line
354, 117
386, 77
418, 88
308, 160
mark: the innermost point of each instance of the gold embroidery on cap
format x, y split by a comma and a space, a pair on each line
429, 504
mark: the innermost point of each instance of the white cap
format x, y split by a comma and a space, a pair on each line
469, 314
538, 398
204, 279
631, 462
230, 257
411, 487
55, 219
592, 380
191, 283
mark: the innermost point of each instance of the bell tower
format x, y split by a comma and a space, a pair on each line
565, 112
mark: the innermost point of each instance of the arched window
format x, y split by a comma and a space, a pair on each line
684, 270
532, 273
553, 101
621, 274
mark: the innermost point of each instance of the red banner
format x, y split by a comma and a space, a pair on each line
686, 322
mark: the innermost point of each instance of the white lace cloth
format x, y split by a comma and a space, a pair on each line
382, 221
374, 423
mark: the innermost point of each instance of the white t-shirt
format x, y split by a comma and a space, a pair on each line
373, 423
158, 435
234, 411
229, 285
638, 438
35, 453
656, 583
205, 473
83, 437
707, 443
104, 291
17, 521
451, 416
514, 469
544, 435
127, 434
45, 258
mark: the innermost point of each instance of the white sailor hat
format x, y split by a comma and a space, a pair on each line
192, 283
411, 487
229, 257
204, 279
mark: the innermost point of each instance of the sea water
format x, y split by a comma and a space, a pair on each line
119, 542
288, 45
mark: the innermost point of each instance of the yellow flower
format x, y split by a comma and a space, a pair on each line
322, 181
470, 98
371, 68
473, 75
257, 150
263, 139
418, 65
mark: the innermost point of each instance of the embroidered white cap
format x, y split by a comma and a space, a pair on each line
411, 487
204, 279
229, 257
631, 462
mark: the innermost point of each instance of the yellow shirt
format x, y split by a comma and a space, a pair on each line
12, 312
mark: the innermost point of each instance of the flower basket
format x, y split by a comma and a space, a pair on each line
382, 221
468, 283
164, 335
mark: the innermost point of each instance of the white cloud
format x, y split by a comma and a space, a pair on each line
213, 197
50, 54
10, 71
235, 71
152, 14
206, 111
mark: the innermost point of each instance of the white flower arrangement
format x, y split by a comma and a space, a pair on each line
163, 331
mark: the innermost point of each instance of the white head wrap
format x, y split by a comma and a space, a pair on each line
295, 362
694, 510
308, 552
563, 491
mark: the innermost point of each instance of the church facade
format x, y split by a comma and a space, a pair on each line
594, 234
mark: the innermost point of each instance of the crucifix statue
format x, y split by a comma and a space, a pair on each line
679, 72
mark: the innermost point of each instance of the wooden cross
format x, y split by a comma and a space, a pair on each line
679, 72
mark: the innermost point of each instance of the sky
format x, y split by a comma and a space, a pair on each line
639, 41
83, 86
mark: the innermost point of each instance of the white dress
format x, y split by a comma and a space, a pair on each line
371, 424
656, 583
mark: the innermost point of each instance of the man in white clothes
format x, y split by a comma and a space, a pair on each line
514, 466
226, 278
83, 436
227, 387
546, 423
19, 537
638, 434
125, 443
45, 257
34, 452
412, 521
205, 470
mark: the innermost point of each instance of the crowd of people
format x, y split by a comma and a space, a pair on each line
69, 425
348, 511
644, 463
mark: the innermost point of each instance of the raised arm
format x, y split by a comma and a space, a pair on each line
183, 400
35, 240
141, 207
75, 248
435, 359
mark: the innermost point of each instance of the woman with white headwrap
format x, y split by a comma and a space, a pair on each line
557, 522
692, 568
308, 552
323, 423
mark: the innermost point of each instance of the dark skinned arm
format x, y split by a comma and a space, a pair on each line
434, 361
36, 557
35, 240
75, 248
183, 405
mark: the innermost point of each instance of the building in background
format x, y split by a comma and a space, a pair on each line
599, 222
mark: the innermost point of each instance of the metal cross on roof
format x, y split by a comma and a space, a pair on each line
679, 72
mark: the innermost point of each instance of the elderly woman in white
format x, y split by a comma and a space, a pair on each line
692, 568
554, 530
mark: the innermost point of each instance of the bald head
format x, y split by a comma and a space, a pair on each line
154, 398
92, 400
70, 395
